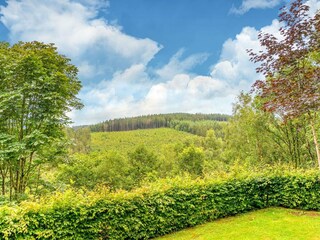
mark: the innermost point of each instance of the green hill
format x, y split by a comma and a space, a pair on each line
125, 159
170, 120
127, 141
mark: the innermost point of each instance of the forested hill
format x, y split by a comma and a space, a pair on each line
172, 120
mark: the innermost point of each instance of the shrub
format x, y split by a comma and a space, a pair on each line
157, 209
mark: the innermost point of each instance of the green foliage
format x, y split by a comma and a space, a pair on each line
38, 86
259, 138
125, 159
158, 209
290, 65
200, 127
213, 146
244, 133
124, 142
80, 139
191, 160
113, 170
142, 162
156, 121
107, 168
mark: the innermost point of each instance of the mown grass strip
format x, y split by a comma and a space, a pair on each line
266, 224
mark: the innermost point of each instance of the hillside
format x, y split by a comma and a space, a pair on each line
127, 141
154, 121
125, 159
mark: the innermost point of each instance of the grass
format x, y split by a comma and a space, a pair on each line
266, 224
126, 141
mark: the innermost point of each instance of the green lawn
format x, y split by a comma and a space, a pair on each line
266, 224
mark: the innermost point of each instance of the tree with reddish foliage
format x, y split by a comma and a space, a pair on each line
290, 64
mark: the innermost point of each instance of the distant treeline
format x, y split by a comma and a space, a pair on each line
200, 127
171, 120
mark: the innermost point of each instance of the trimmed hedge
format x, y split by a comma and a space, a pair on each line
156, 211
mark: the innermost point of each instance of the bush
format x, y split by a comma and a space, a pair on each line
158, 209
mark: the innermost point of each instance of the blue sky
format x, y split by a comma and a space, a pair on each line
140, 57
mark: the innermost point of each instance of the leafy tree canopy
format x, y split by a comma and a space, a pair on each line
291, 66
290, 63
38, 86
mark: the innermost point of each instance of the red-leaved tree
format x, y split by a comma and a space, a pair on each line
291, 66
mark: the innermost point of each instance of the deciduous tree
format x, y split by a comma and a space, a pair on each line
290, 64
38, 86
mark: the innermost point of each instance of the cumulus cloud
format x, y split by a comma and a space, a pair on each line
114, 65
247, 5
172, 88
177, 64
314, 6
137, 89
96, 46
234, 66
184, 92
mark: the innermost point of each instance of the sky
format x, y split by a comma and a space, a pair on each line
138, 57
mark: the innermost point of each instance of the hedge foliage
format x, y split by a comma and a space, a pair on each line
156, 210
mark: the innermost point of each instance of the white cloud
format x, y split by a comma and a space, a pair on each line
234, 66
178, 65
174, 88
183, 92
96, 46
314, 6
134, 92
254, 4
247, 5
122, 84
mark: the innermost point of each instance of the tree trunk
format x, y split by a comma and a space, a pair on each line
315, 140
3, 184
11, 184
